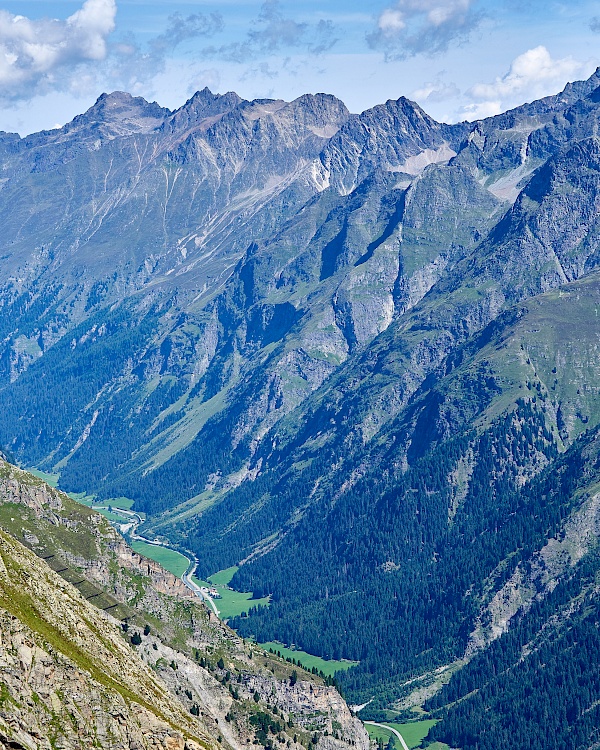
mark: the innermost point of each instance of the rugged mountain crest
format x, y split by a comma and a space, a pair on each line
333, 348
395, 137
201, 111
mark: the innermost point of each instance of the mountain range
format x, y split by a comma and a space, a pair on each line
354, 355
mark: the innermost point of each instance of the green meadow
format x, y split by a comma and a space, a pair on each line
172, 561
223, 577
413, 732
231, 603
308, 661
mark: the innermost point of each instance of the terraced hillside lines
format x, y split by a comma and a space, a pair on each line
62, 620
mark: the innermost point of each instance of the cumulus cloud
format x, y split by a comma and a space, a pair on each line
411, 27
79, 54
33, 53
273, 31
532, 75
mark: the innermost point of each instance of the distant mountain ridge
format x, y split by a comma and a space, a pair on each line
343, 351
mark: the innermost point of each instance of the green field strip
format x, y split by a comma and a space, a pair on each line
171, 560
413, 732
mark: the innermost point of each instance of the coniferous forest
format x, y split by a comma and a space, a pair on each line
350, 360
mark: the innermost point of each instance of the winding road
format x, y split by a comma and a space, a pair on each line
390, 729
136, 520
202, 591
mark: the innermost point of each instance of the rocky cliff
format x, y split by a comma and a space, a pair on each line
344, 352
71, 673
69, 677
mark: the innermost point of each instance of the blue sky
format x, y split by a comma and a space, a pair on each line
459, 59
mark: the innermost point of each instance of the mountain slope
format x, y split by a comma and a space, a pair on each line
63, 595
68, 674
347, 529
342, 351
347, 264
546, 658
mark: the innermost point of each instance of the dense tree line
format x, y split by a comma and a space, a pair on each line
66, 382
538, 686
379, 574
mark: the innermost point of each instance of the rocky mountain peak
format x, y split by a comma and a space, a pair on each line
324, 114
384, 138
117, 114
203, 108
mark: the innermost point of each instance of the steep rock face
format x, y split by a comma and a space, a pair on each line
384, 138
189, 193
81, 536
183, 648
329, 712
115, 115
329, 271
503, 151
114, 167
374, 256
68, 675
201, 111
303, 710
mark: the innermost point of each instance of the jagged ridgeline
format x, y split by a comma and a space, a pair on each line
103, 648
354, 355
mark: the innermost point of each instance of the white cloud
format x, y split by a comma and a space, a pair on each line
77, 55
90, 26
532, 75
410, 27
34, 52
533, 70
391, 21
481, 110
